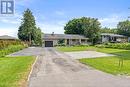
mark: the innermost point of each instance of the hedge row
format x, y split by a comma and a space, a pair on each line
6, 43
10, 49
115, 45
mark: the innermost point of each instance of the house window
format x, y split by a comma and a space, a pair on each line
105, 36
73, 39
83, 40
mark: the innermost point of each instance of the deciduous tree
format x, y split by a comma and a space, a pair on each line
89, 27
124, 28
108, 30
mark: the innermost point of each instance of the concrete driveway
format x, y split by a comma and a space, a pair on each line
87, 54
56, 69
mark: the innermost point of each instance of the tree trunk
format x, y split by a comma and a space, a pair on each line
30, 41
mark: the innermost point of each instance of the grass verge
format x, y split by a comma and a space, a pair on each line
14, 71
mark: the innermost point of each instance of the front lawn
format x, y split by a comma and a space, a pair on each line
14, 71
111, 64
89, 48
105, 64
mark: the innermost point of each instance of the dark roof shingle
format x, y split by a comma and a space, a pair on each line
113, 35
63, 36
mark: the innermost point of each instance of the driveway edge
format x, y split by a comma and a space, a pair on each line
32, 69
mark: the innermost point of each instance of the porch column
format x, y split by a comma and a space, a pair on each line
80, 41
86, 41
65, 41
70, 42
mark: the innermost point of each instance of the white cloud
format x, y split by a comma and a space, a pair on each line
9, 25
111, 21
52, 27
15, 19
57, 27
10, 21
8, 31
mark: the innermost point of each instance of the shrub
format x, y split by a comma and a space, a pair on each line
63, 44
115, 45
10, 49
6, 43
7, 46
83, 45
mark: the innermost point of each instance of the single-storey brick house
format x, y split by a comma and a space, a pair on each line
6, 37
113, 38
51, 40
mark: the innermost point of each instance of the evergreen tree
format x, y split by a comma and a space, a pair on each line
28, 30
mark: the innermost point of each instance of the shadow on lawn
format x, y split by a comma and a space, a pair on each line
122, 56
125, 55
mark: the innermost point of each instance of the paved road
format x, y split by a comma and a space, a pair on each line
55, 69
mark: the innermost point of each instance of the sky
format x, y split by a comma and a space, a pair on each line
52, 15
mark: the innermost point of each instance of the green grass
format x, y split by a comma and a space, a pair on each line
111, 64
70, 49
14, 71
89, 48
105, 64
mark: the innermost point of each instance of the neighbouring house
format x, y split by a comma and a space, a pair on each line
113, 38
6, 37
51, 40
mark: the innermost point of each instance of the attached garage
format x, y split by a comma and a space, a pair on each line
48, 43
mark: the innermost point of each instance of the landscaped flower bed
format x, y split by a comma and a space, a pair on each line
115, 45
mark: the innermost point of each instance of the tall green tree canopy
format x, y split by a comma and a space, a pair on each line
28, 30
27, 26
124, 28
74, 27
89, 27
38, 36
108, 30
